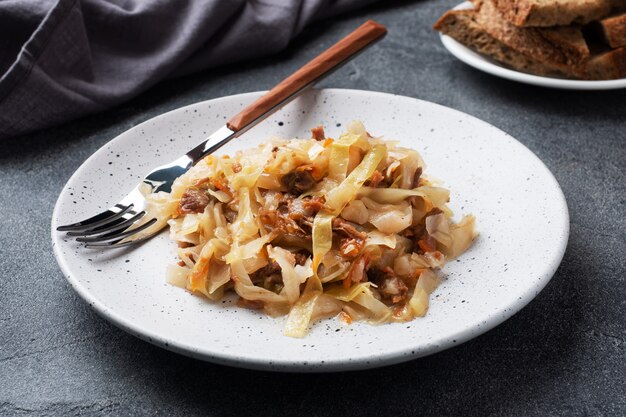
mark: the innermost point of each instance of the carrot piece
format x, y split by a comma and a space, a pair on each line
419, 271
345, 317
347, 282
425, 246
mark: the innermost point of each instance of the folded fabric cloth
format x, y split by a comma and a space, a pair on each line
63, 59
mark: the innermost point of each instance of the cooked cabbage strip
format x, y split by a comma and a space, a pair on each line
322, 237
338, 197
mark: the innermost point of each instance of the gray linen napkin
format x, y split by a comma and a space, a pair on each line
63, 59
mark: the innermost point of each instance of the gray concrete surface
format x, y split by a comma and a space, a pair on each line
563, 355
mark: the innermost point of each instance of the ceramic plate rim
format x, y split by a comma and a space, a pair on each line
470, 331
482, 63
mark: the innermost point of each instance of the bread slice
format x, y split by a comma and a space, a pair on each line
613, 30
548, 50
563, 48
555, 12
608, 65
462, 26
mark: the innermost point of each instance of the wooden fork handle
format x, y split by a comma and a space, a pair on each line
309, 74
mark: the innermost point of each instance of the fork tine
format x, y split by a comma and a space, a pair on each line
97, 220
110, 245
110, 237
111, 227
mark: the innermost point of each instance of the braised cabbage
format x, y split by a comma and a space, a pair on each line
312, 228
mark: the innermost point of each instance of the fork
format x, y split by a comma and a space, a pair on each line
125, 222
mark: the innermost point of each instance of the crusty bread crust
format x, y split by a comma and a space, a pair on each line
614, 30
462, 26
561, 47
554, 12
608, 66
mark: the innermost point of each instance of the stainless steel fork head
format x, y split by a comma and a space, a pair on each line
126, 222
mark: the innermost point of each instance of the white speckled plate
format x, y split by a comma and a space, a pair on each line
522, 217
490, 66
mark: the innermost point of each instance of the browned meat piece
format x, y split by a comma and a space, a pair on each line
390, 286
416, 177
279, 223
313, 204
294, 240
193, 201
292, 221
434, 211
304, 208
236, 167
269, 276
348, 229
302, 256
422, 241
394, 289
267, 218
290, 213
375, 275
317, 133
414, 232
294, 209
356, 272
298, 181
270, 269
230, 215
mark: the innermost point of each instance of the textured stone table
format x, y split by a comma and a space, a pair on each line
564, 354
